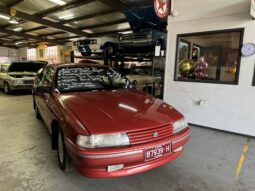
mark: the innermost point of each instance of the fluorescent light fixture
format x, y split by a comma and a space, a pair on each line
124, 106
66, 16
126, 32
4, 17
18, 29
59, 2
14, 21
17, 43
88, 31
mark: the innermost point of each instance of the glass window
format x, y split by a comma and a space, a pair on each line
52, 54
89, 78
4, 59
40, 74
31, 54
48, 77
212, 57
3, 68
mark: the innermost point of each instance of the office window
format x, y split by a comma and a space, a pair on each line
31, 54
4, 59
52, 54
212, 57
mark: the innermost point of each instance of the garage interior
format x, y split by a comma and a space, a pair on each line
220, 154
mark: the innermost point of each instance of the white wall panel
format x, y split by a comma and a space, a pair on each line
227, 107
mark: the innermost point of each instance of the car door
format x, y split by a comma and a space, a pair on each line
45, 100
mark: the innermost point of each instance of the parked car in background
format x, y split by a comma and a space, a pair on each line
103, 126
19, 75
144, 79
90, 46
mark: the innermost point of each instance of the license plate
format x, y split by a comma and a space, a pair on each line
157, 152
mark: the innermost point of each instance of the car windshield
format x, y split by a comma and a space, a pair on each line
72, 79
26, 66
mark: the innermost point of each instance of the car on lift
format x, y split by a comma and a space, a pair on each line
90, 46
101, 125
19, 75
148, 31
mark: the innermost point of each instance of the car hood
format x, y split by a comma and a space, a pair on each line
119, 110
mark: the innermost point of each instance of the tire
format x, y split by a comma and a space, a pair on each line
63, 158
110, 50
37, 113
7, 89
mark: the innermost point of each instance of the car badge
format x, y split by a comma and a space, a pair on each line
155, 134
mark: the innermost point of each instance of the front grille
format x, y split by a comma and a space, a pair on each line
28, 81
146, 136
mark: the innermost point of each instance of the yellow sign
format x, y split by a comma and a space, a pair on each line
13, 12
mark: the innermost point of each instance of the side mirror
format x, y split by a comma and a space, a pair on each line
134, 84
43, 89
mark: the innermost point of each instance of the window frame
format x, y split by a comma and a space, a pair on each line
46, 70
236, 82
253, 80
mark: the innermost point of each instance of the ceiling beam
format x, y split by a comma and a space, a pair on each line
55, 9
7, 46
27, 36
71, 20
90, 27
116, 5
110, 32
4, 41
85, 17
41, 21
105, 24
14, 3
59, 8
66, 38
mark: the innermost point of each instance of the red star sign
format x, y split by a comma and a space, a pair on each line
161, 8
161, 5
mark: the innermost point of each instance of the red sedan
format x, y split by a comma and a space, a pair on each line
101, 125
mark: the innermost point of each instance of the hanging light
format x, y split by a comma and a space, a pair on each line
13, 20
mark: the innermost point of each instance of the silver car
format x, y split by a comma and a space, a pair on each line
19, 75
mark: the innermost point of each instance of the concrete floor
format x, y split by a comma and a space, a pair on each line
27, 163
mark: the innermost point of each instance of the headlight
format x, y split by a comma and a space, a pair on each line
18, 82
180, 125
104, 140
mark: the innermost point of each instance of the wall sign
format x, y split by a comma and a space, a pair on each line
161, 8
253, 8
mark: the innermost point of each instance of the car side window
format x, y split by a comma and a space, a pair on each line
3, 69
39, 77
48, 77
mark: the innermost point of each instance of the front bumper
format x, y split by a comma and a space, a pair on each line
21, 87
94, 163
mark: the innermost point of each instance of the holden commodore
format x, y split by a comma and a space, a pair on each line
101, 125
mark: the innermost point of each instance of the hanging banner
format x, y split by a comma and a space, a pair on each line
253, 8
161, 8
